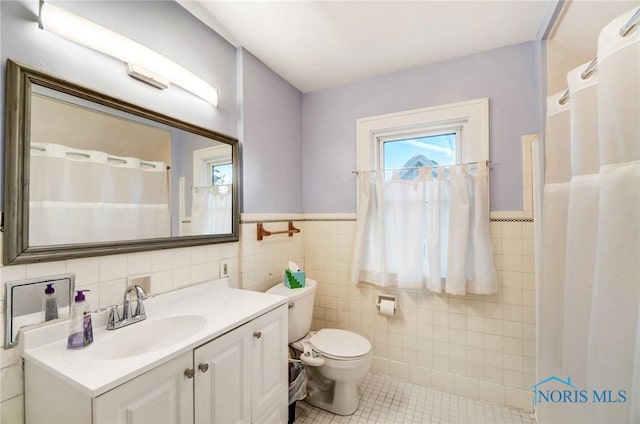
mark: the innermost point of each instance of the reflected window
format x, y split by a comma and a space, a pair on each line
219, 174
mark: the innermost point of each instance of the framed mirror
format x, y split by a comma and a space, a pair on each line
87, 174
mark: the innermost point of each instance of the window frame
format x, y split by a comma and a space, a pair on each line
470, 118
203, 159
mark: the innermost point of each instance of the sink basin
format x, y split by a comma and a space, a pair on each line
147, 336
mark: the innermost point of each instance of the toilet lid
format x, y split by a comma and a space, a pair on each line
293, 294
340, 343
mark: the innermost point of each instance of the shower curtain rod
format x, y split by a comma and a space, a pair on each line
87, 156
624, 30
589, 70
421, 167
631, 24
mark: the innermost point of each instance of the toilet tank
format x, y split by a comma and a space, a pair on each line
300, 307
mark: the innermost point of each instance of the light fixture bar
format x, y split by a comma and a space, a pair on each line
141, 74
86, 33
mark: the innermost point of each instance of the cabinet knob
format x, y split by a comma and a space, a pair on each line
203, 367
189, 372
257, 334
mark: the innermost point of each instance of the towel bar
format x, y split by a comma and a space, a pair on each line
261, 233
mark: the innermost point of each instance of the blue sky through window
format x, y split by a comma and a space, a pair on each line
222, 174
439, 148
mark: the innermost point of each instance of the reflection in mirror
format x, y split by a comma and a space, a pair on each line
103, 176
114, 173
211, 192
24, 302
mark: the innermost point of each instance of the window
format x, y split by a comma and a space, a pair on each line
212, 166
411, 153
407, 230
219, 173
446, 134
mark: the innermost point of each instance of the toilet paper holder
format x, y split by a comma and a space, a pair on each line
389, 297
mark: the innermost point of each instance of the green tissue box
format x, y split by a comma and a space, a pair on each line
294, 279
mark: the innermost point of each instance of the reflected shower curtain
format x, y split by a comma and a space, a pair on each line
589, 322
84, 196
211, 210
429, 232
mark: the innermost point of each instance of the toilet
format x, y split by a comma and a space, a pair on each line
336, 360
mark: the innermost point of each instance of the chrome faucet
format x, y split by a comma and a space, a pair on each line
114, 321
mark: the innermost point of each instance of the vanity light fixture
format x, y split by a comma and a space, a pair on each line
145, 76
142, 63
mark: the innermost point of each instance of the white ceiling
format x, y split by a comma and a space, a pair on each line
319, 44
581, 21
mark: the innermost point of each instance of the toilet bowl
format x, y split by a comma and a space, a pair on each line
336, 360
346, 360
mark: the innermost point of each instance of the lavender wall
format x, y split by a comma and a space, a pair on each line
509, 77
256, 105
22, 41
271, 135
298, 150
162, 26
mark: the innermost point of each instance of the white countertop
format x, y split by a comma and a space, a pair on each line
222, 307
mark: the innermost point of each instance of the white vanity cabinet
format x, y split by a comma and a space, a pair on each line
238, 377
241, 376
162, 395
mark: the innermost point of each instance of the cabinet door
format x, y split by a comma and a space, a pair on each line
270, 381
223, 379
162, 395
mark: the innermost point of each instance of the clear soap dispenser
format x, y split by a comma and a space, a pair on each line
49, 304
80, 328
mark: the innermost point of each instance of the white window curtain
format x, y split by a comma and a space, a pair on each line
84, 196
589, 310
429, 232
211, 209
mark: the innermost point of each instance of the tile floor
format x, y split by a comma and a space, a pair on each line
384, 400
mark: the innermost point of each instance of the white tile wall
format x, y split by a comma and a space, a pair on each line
12, 410
262, 263
481, 347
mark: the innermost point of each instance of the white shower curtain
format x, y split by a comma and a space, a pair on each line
589, 322
432, 231
84, 196
582, 223
553, 243
211, 210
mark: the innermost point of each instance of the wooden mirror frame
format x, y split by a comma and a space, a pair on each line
16, 247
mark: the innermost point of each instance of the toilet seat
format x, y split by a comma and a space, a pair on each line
310, 356
340, 344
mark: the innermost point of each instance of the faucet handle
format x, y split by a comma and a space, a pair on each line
140, 293
139, 308
114, 317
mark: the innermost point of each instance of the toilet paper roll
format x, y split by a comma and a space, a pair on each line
387, 307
